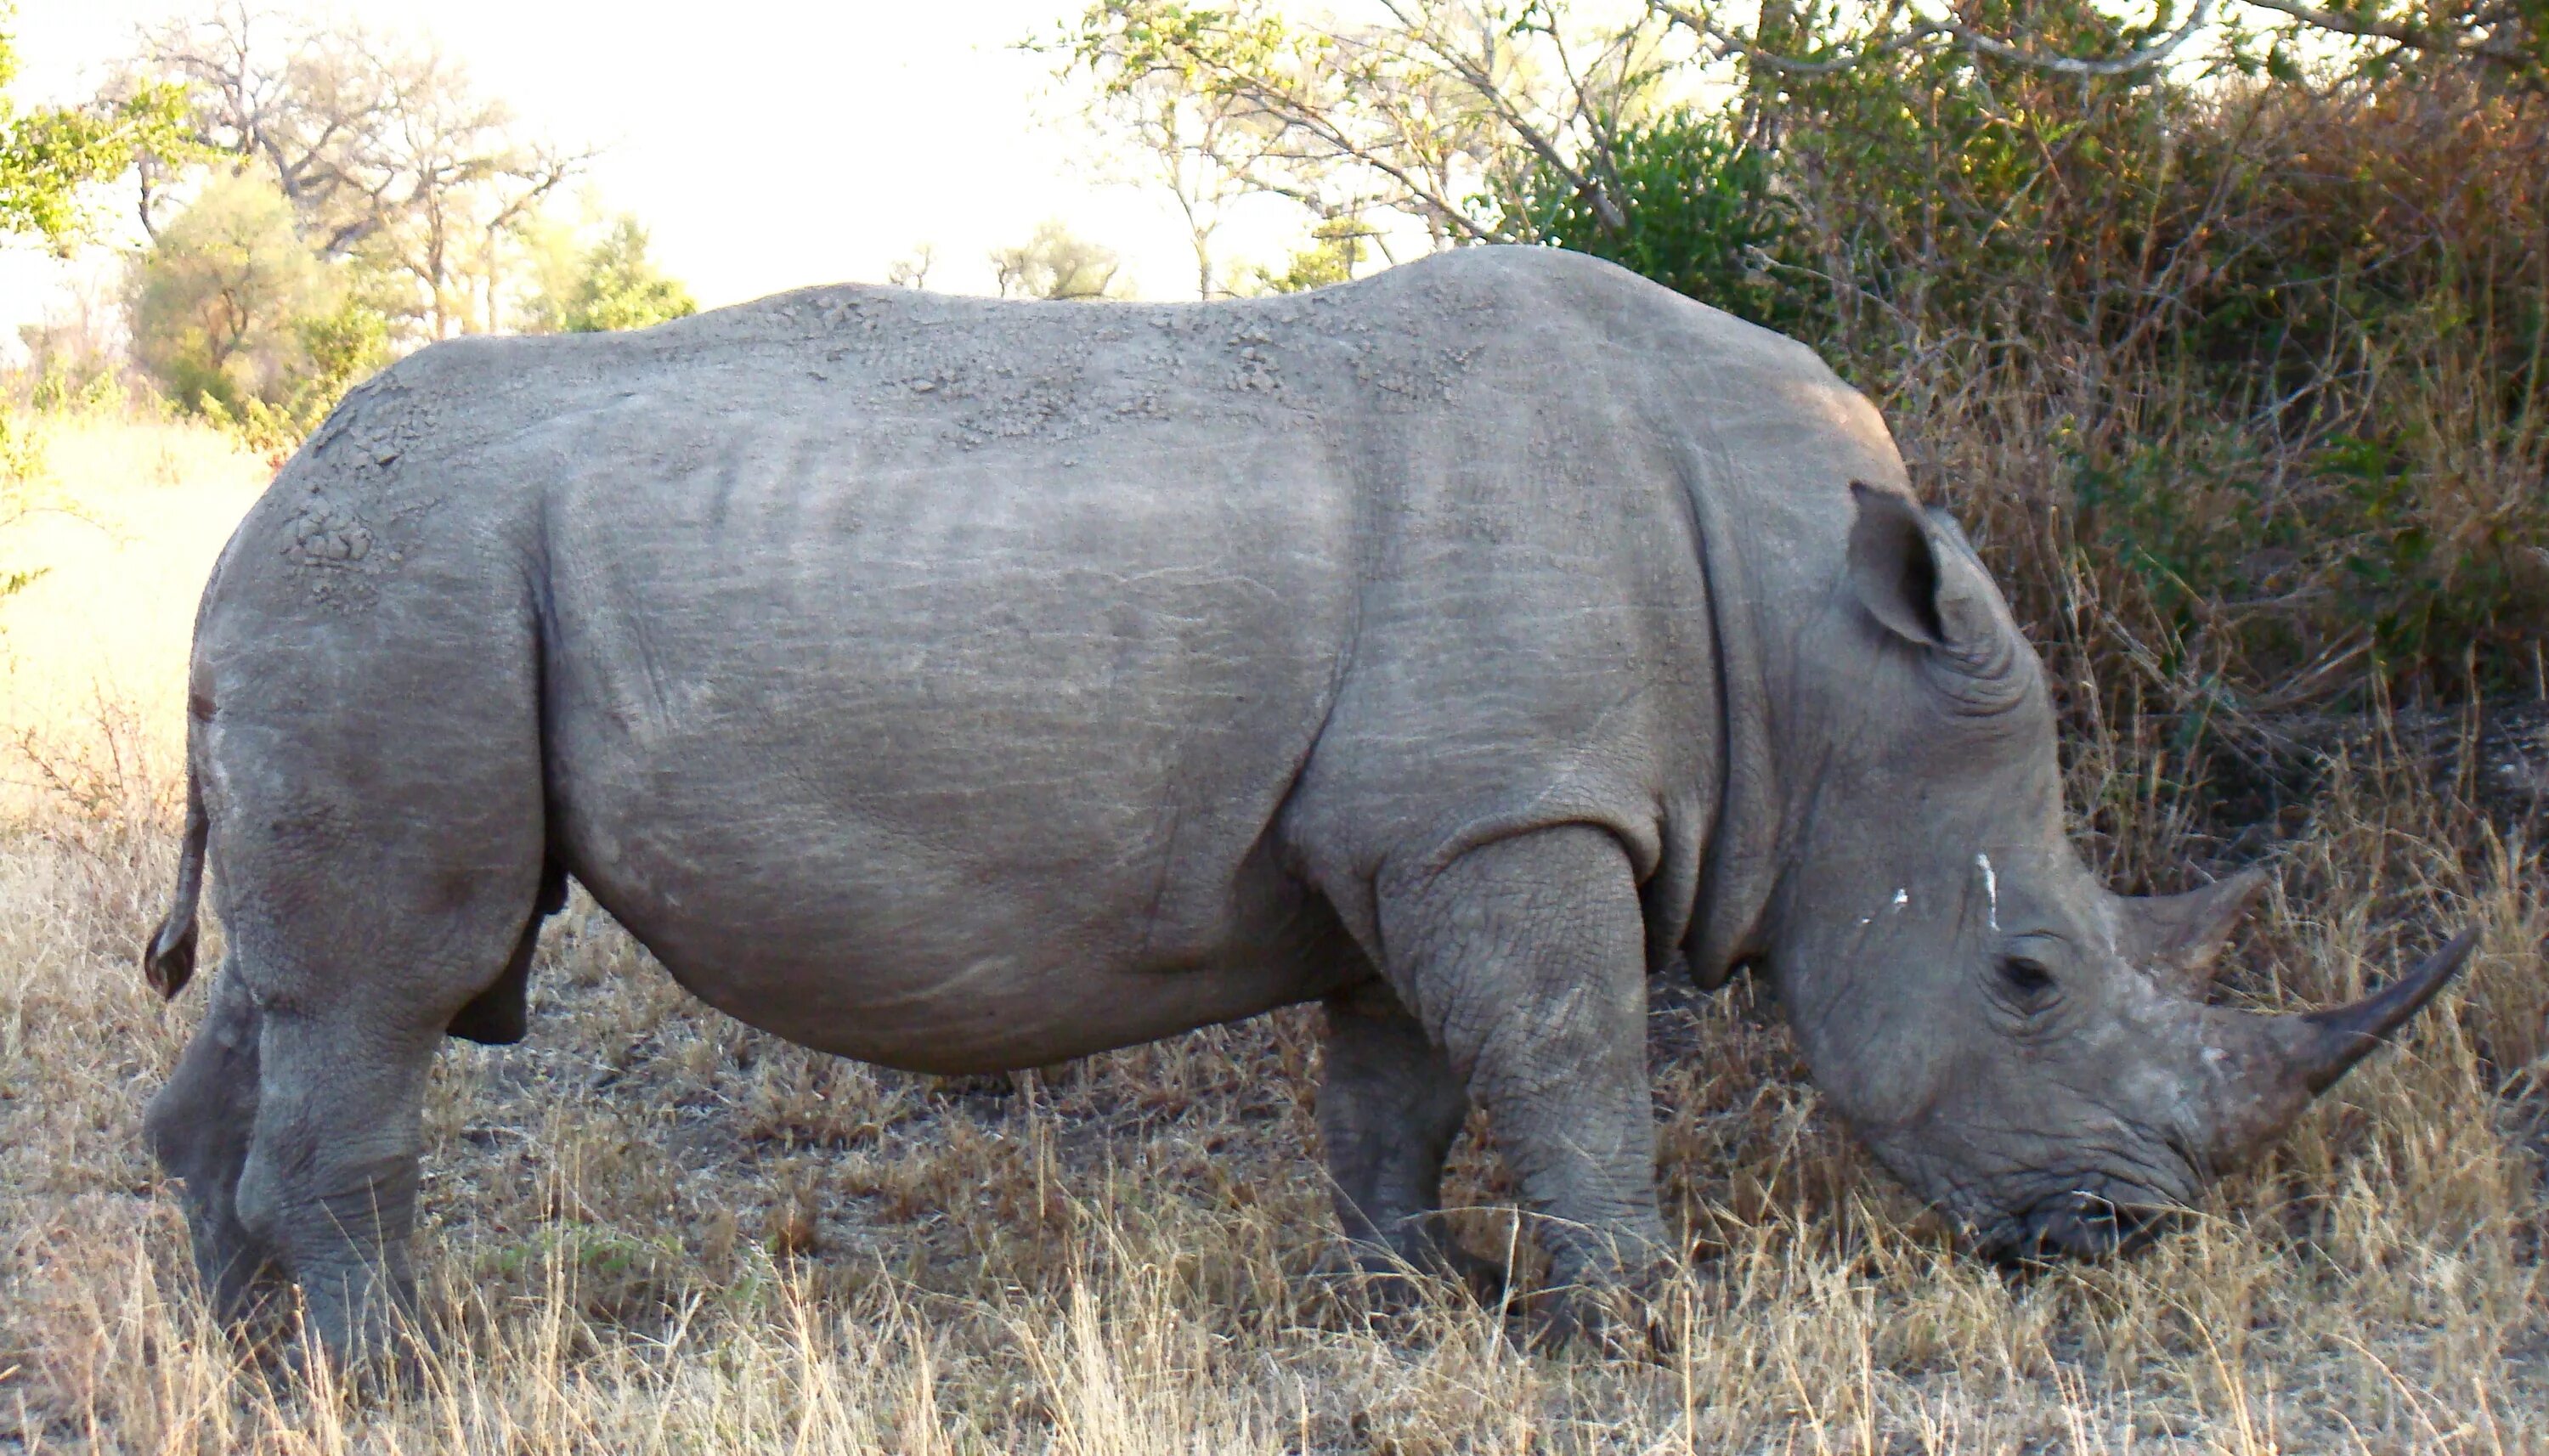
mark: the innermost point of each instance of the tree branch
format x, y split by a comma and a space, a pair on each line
1961, 37
1479, 77
2413, 36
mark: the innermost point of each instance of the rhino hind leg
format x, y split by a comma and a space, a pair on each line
354, 1006
198, 1127
331, 1181
360, 916
1525, 960
1389, 1109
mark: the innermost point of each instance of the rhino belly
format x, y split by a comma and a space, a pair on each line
862, 947
952, 765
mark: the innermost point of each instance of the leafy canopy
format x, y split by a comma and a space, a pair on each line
218, 298
50, 154
619, 287
1056, 263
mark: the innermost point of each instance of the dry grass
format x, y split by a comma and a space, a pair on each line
649, 1229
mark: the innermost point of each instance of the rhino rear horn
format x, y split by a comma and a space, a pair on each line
2180, 937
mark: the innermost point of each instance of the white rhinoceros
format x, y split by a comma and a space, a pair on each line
958, 684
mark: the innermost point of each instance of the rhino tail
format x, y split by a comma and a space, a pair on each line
168, 960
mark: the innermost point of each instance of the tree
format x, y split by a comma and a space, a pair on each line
1468, 117
1207, 147
47, 155
2509, 38
78, 348
1056, 264
1704, 212
618, 287
218, 298
388, 154
911, 270
1434, 112
1336, 248
461, 184
235, 318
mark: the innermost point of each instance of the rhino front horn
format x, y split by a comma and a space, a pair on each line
2329, 1042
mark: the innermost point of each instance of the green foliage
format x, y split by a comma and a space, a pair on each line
238, 321
21, 478
2351, 550
1056, 263
1704, 216
338, 350
218, 298
1969, 193
2285, 346
60, 389
617, 287
1211, 47
2343, 285
1337, 248
343, 348
50, 154
393, 159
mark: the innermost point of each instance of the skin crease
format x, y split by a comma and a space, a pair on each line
958, 684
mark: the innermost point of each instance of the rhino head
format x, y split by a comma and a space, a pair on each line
2028, 1049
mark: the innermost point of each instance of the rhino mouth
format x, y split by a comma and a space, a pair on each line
2077, 1225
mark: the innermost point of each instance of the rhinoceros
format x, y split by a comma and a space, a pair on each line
958, 684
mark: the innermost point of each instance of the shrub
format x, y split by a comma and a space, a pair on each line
216, 297
1705, 217
619, 287
2234, 381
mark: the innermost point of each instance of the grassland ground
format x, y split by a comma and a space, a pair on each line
649, 1228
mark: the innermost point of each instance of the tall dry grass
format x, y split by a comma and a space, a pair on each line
647, 1228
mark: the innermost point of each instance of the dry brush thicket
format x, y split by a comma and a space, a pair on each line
648, 1228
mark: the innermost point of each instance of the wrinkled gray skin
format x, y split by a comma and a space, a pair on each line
959, 685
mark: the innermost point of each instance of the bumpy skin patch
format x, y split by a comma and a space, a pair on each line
327, 534
355, 519
1048, 375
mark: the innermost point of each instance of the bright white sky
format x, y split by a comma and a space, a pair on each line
766, 145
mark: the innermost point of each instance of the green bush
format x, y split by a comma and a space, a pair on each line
1704, 219
614, 285
2233, 382
236, 319
216, 297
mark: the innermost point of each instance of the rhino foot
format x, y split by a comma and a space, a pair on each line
1616, 1322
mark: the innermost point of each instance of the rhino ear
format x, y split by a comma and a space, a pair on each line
1915, 575
2179, 937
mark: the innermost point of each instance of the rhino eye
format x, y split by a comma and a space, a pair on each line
2026, 975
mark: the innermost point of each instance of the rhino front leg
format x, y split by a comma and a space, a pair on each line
198, 1127
1389, 1107
1525, 961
